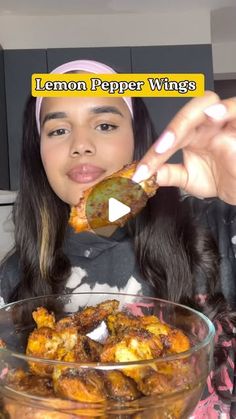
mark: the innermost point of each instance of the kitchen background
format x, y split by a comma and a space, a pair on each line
132, 35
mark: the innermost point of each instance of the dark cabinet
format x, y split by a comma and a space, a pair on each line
20, 64
117, 57
172, 59
4, 167
225, 88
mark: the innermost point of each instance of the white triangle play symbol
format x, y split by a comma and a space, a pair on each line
116, 209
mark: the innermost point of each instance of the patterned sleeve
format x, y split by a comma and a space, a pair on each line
217, 404
220, 219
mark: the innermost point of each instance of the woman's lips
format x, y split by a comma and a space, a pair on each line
85, 173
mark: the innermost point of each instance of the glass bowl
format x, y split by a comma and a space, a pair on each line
171, 385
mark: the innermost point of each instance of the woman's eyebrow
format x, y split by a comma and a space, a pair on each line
96, 110
106, 109
53, 115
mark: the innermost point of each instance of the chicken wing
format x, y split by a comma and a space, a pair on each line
90, 317
53, 340
131, 194
119, 321
49, 344
155, 383
43, 318
120, 387
173, 340
79, 384
132, 344
29, 383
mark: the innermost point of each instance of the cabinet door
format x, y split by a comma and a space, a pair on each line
117, 57
172, 59
4, 169
19, 66
225, 88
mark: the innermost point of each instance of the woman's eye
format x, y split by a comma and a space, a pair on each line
58, 132
106, 127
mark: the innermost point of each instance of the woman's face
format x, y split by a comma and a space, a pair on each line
83, 140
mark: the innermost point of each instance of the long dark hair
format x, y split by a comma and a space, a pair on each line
40, 219
172, 250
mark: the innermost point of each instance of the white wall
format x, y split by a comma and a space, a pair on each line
6, 225
104, 30
194, 27
224, 55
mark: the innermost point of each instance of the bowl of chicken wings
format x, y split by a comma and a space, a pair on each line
102, 356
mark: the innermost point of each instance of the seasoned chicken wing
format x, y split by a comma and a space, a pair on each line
94, 386
89, 318
119, 321
30, 383
155, 383
153, 340
132, 195
132, 344
43, 318
120, 387
173, 340
79, 384
49, 344
53, 340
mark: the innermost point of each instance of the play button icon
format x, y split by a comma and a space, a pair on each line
113, 201
116, 209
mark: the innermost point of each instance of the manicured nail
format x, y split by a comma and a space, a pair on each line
217, 111
165, 142
142, 173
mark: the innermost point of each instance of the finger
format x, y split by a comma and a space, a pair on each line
177, 175
172, 175
225, 110
177, 135
227, 119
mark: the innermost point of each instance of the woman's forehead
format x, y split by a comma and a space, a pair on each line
84, 104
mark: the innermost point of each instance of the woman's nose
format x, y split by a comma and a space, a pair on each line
82, 145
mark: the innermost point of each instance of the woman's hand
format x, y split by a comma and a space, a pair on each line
205, 130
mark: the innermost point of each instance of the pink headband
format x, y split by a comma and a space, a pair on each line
85, 65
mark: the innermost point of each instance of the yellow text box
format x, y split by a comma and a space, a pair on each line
118, 85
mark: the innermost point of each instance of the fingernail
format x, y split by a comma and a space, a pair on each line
142, 173
217, 111
165, 142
